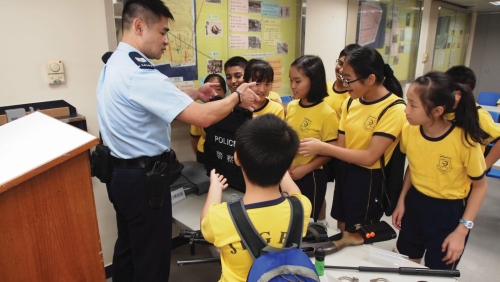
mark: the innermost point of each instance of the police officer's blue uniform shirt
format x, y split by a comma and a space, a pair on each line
136, 104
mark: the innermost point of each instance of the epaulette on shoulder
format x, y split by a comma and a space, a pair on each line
139, 60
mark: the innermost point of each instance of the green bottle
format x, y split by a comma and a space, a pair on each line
319, 255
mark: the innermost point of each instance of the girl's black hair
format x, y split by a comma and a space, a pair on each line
437, 89
221, 80
312, 67
366, 61
349, 49
259, 71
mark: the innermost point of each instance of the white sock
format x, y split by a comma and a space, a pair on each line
323, 221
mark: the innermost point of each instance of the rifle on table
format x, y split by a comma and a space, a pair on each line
364, 234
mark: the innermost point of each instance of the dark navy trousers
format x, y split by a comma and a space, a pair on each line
142, 250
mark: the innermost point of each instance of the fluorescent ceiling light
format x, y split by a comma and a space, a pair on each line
496, 3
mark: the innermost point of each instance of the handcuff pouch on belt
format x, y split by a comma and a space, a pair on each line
157, 183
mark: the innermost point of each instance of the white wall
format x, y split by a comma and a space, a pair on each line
326, 31
76, 33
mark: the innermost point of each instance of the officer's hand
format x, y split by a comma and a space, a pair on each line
248, 97
206, 92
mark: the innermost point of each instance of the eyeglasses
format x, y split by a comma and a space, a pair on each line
348, 82
339, 63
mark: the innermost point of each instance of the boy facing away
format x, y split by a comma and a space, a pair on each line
265, 148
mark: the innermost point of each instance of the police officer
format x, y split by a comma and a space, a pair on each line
136, 105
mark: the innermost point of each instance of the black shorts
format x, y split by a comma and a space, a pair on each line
330, 169
356, 193
313, 186
426, 223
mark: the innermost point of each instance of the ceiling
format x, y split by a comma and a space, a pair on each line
476, 5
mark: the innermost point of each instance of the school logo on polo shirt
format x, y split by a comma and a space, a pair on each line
370, 123
444, 165
304, 126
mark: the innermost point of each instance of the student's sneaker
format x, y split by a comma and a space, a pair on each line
324, 222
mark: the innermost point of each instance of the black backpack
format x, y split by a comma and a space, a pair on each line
220, 146
392, 173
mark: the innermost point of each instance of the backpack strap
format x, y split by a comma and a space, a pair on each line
252, 240
382, 158
349, 103
383, 187
296, 226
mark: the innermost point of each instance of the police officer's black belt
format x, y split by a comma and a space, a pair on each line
140, 162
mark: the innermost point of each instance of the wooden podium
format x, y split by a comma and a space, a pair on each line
48, 222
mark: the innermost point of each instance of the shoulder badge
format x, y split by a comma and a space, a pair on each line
140, 61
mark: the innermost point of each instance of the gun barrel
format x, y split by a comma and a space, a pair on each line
196, 261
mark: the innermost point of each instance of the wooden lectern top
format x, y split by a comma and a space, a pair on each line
35, 143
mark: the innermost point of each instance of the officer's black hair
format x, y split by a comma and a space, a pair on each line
313, 67
236, 61
265, 147
462, 75
259, 71
150, 11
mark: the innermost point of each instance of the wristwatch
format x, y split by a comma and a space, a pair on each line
239, 96
469, 224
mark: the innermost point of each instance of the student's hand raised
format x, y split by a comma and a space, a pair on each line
248, 97
310, 147
206, 92
217, 181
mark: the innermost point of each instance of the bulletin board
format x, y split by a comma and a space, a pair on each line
392, 28
205, 33
451, 39
180, 60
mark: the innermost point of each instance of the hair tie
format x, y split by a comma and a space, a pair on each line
388, 71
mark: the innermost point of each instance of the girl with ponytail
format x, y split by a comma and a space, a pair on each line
363, 138
437, 207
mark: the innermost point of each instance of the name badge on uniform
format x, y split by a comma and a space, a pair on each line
140, 61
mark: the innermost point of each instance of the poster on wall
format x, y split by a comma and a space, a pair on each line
282, 48
213, 28
214, 66
254, 7
180, 57
371, 30
442, 37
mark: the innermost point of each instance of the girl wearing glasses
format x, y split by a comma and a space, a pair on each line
309, 116
337, 92
435, 210
362, 139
